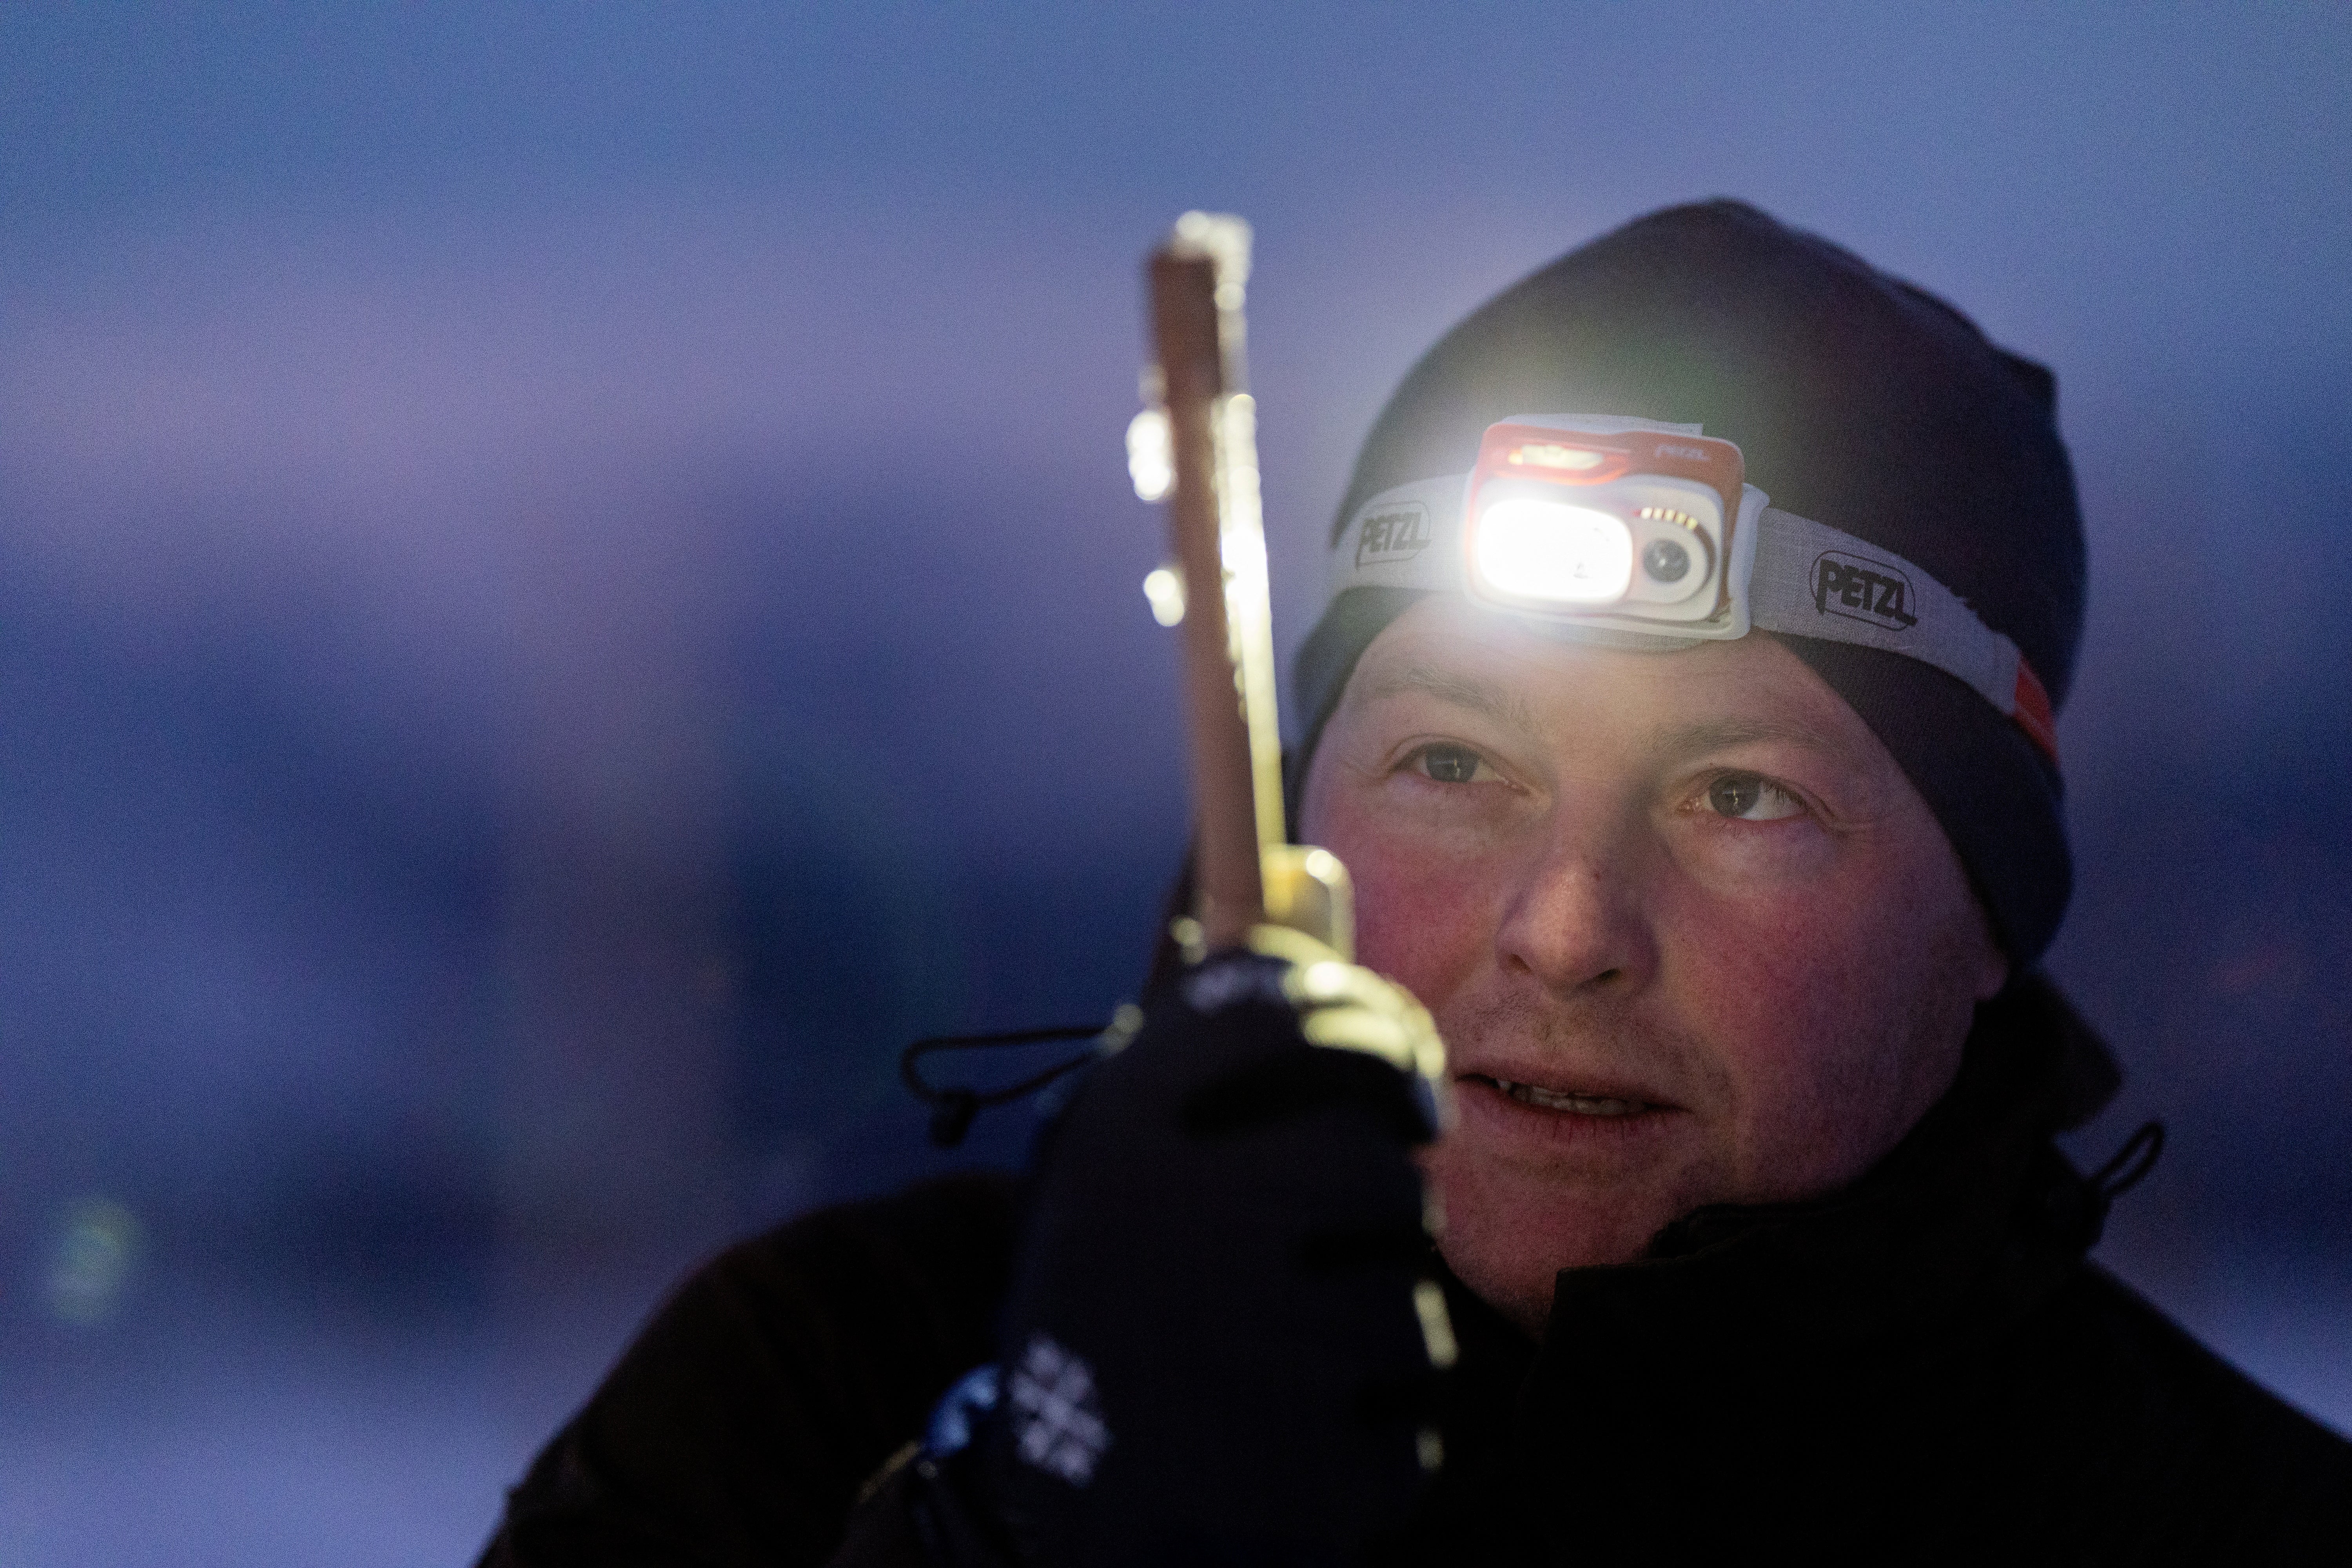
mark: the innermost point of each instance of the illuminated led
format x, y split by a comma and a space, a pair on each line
1165, 588
1543, 550
1668, 514
1545, 455
1151, 455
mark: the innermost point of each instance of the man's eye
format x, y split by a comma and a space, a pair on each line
1750, 799
1448, 764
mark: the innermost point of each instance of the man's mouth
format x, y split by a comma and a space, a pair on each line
1566, 1100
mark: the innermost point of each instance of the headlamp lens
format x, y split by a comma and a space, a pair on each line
1547, 551
1665, 560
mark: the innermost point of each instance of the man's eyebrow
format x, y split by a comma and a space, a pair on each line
1716, 734
1504, 706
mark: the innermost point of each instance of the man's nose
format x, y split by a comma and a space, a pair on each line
1575, 922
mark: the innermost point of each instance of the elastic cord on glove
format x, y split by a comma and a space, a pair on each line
954, 1106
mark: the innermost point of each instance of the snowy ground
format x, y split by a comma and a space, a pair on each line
249, 1439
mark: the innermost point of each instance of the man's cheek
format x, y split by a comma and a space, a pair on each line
1419, 919
1791, 1004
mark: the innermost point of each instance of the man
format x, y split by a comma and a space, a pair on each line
1752, 1237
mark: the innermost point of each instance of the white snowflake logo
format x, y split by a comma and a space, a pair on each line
1057, 1425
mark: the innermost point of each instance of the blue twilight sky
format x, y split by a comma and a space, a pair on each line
699, 424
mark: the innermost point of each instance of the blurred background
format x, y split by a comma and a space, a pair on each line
567, 584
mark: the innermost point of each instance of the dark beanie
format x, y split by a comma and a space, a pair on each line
1858, 401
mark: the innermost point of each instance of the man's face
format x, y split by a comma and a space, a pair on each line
1690, 934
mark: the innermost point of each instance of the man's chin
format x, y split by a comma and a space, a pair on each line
1509, 1230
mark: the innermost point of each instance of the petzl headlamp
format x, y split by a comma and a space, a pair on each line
1650, 531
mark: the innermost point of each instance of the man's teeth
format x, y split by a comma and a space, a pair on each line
1582, 1104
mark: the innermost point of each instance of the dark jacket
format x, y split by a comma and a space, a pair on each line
1922, 1368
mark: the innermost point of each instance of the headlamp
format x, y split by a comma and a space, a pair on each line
1527, 550
1634, 522
1647, 531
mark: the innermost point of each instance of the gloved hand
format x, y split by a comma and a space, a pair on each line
1221, 1344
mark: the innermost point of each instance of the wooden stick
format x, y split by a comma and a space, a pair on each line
1247, 872
1230, 896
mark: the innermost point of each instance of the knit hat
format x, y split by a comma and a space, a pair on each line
1858, 401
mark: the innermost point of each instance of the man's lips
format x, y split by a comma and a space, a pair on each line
1564, 1100
1576, 1100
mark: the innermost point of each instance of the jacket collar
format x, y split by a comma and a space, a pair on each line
1796, 1368
1967, 1223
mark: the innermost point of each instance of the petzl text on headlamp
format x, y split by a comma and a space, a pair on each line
1650, 530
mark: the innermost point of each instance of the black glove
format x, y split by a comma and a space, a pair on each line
1221, 1342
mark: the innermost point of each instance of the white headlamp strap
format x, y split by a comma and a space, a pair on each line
1807, 579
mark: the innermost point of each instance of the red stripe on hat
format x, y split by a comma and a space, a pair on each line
2032, 711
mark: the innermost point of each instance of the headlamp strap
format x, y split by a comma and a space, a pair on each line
1808, 579
1812, 580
